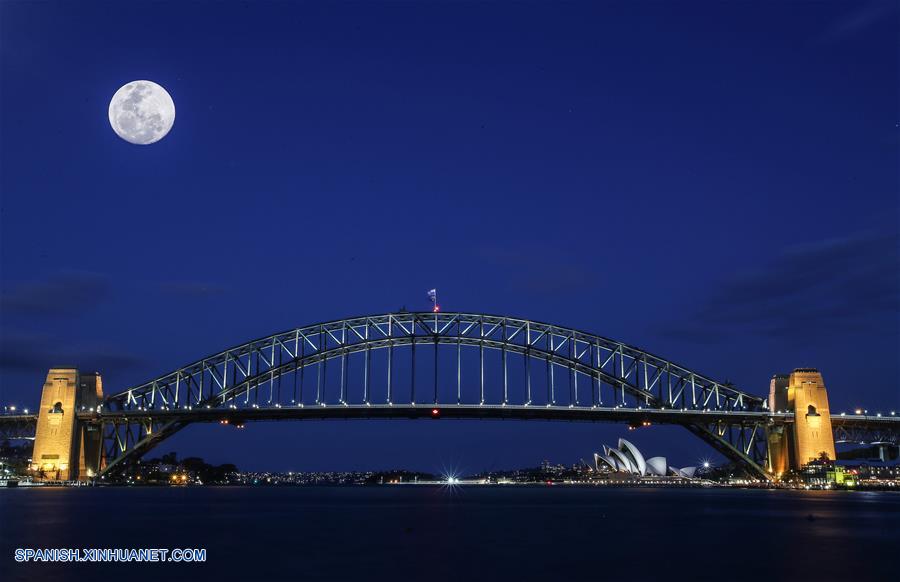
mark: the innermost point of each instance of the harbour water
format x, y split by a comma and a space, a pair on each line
462, 533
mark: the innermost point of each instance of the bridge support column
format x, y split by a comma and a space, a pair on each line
64, 448
779, 436
779, 447
804, 394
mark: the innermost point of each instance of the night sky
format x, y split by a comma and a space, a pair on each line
714, 182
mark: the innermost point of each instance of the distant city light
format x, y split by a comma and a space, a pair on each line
450, 477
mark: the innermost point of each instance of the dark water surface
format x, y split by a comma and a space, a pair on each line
469, 533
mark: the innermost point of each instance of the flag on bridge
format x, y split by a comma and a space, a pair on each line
432, 295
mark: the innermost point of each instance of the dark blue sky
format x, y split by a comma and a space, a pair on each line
715, 182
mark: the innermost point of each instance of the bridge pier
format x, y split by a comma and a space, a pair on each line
792, 446
66, 449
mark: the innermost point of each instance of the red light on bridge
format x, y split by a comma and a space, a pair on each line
435, 412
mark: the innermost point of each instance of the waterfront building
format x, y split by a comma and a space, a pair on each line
628, 459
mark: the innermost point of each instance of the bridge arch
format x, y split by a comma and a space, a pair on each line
640, 374
609, 373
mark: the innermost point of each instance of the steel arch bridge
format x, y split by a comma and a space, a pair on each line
448, 365
441, 365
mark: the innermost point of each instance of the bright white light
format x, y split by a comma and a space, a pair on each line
450, 477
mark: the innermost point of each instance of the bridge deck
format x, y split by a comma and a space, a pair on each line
452, 411
464, 411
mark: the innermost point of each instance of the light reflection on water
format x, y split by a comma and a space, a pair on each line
460, 533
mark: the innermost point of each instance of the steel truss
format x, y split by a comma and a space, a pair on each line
632, 373
539, 365
17, 427
744, 442
877, 431
131, 438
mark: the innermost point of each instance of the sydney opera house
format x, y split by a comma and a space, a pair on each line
628, 459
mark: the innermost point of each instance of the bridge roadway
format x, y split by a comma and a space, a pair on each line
444, 411
460, 411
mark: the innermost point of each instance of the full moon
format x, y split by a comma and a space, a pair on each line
141, 112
